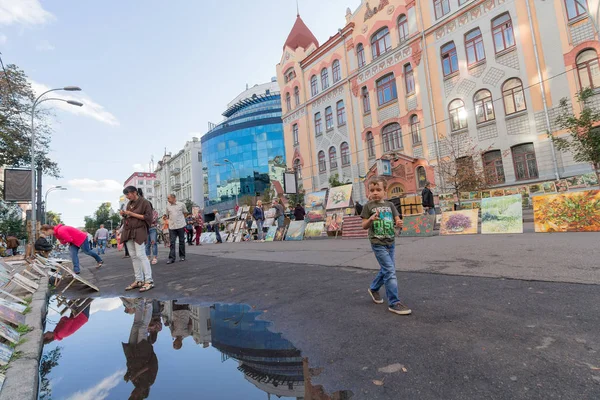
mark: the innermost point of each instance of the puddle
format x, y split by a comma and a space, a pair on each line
122, 348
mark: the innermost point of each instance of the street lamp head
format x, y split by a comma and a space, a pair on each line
217, 164
62, 188
226, 160
72, 88
75, 103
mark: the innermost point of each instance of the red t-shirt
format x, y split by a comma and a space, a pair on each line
68, 326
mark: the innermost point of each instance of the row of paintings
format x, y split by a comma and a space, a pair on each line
317, 202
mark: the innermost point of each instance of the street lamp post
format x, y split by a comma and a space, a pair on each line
52, 189
235, 173
37, 101
111, 225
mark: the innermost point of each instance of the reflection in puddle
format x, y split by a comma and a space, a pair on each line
87, 341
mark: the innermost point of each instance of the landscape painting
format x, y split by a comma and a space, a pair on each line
295, 230
418, 225
567, 212
14, 306
6, 353
271, 234
315, 200
315, 215
502, 214
9, 333
314, 229
339, 197
463, 222
280, 234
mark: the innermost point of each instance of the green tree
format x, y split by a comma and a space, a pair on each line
583, 140
48, 361
53, 218
189, 204
334, 181
11, 220
103, 215
297, 198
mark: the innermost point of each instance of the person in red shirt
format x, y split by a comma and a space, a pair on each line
67, 326
76, 239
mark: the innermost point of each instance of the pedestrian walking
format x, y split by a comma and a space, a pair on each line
101, 237
137, 220
279, 212
299, 212
12, 244
151, 243
379, 216
259, 217
176, 211
189, 228
198, 226
427, 202
76, 239
216, 224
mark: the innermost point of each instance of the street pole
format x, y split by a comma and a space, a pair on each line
46, 200
111, 225
37, 101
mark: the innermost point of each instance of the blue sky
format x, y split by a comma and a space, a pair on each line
153, 74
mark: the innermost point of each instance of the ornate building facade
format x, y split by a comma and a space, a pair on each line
407, 81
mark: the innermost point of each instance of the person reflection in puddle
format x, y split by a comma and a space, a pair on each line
181, 324
68, 326
142, 363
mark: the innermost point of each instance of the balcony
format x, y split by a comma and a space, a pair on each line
175, 171
156, 183
176, 186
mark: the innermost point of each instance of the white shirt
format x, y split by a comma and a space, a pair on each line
175, 213
102, 233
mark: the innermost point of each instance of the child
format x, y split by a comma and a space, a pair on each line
379, 216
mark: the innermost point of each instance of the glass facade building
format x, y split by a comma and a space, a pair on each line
246, 151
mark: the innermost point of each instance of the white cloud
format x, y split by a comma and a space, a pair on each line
90, 108
105, 304
45, 45
3, 39
196, 134
102, 388
24, 12
91, 185
75, 201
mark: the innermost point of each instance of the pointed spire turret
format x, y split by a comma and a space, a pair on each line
300, 36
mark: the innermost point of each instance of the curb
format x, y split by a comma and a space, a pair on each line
22, 376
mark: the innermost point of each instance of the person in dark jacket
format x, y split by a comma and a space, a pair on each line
299, 212
259, 216
42, 244
427, 202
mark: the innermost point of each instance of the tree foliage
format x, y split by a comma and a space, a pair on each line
297, 198
103, 215
334, 181
583, 140
47, 363
16, 100
53, 218
11, 220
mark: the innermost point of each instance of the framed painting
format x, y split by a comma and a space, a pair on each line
576, 182
463, 222
315, 200
6, 353
270, 213
315, 215
465, 195
271, 234
280, 234
561, 185
486, 194
339, 197
314, 229
334, 221
418, 225
13, 306
9, 333
502, 214
567, 212
295, 230
511, 191
590, 179
536, 189
11, 316
549, 187
268, 222
497, 192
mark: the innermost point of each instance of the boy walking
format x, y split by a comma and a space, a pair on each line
380, 216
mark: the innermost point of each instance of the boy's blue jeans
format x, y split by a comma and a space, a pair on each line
387, 272
85, 247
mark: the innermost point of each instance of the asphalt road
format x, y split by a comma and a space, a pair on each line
469, 337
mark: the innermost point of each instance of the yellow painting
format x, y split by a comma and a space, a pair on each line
567, 212
339, 197
463, 222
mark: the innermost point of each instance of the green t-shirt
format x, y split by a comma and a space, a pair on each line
382, 231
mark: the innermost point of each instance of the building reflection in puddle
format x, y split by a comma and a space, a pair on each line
266, 360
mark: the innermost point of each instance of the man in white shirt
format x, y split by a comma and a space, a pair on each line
101, 237
176, 211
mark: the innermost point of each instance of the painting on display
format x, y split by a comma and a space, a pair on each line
536, 189
339, 197
502, 214
567, 212
463, 222
334, 221
6, 353
315, 200
511, 191
208, 238
315, 215
8, 333
486, 194
280, 234
465, 195
238, 238
270, 213
418, 225
13, 306
497, 192
549, 187
474, 195
10, 315
314, 229
561, 185
476, 205
271, 234
576, 182
295, 230
590, 179
349, 211
268, 222
230, 238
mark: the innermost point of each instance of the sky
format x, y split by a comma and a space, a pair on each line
153, 74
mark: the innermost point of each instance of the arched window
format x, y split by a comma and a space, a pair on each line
588, 69
328, 118
318, 125
370, 145
421, 176
415, 130
396, 191
314, 86
381, 42
484, 106
332, 157
324, 79
341, 113
502, 31
289, 75
297, 96
288, 101
403, 27
474, 46
295, 134
524, 161
493, 167
409, 79
576, 8
386, 89
391, 136
442, 7
458, 115
360, 55
345, 153
513, 96
449, 59
322, 162
366, 101
336, 71
298, 168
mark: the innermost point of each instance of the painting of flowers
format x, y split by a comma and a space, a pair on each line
502, 215
339, 197
418, 225
576, 182
463, 222
590, 179
314, 229
567, 212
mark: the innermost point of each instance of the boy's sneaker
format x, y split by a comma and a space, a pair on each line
400, 309
376, 297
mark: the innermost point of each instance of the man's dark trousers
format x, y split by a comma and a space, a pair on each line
173, 234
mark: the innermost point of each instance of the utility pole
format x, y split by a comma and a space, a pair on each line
39, 193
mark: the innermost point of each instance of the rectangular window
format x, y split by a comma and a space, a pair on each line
366, 100
295, 133
493, 167
386, 90
576, 8
341, 113
442, 7
328, 118
474, 46
525, 162
449, 59
504, 37
409, 79
318, 126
